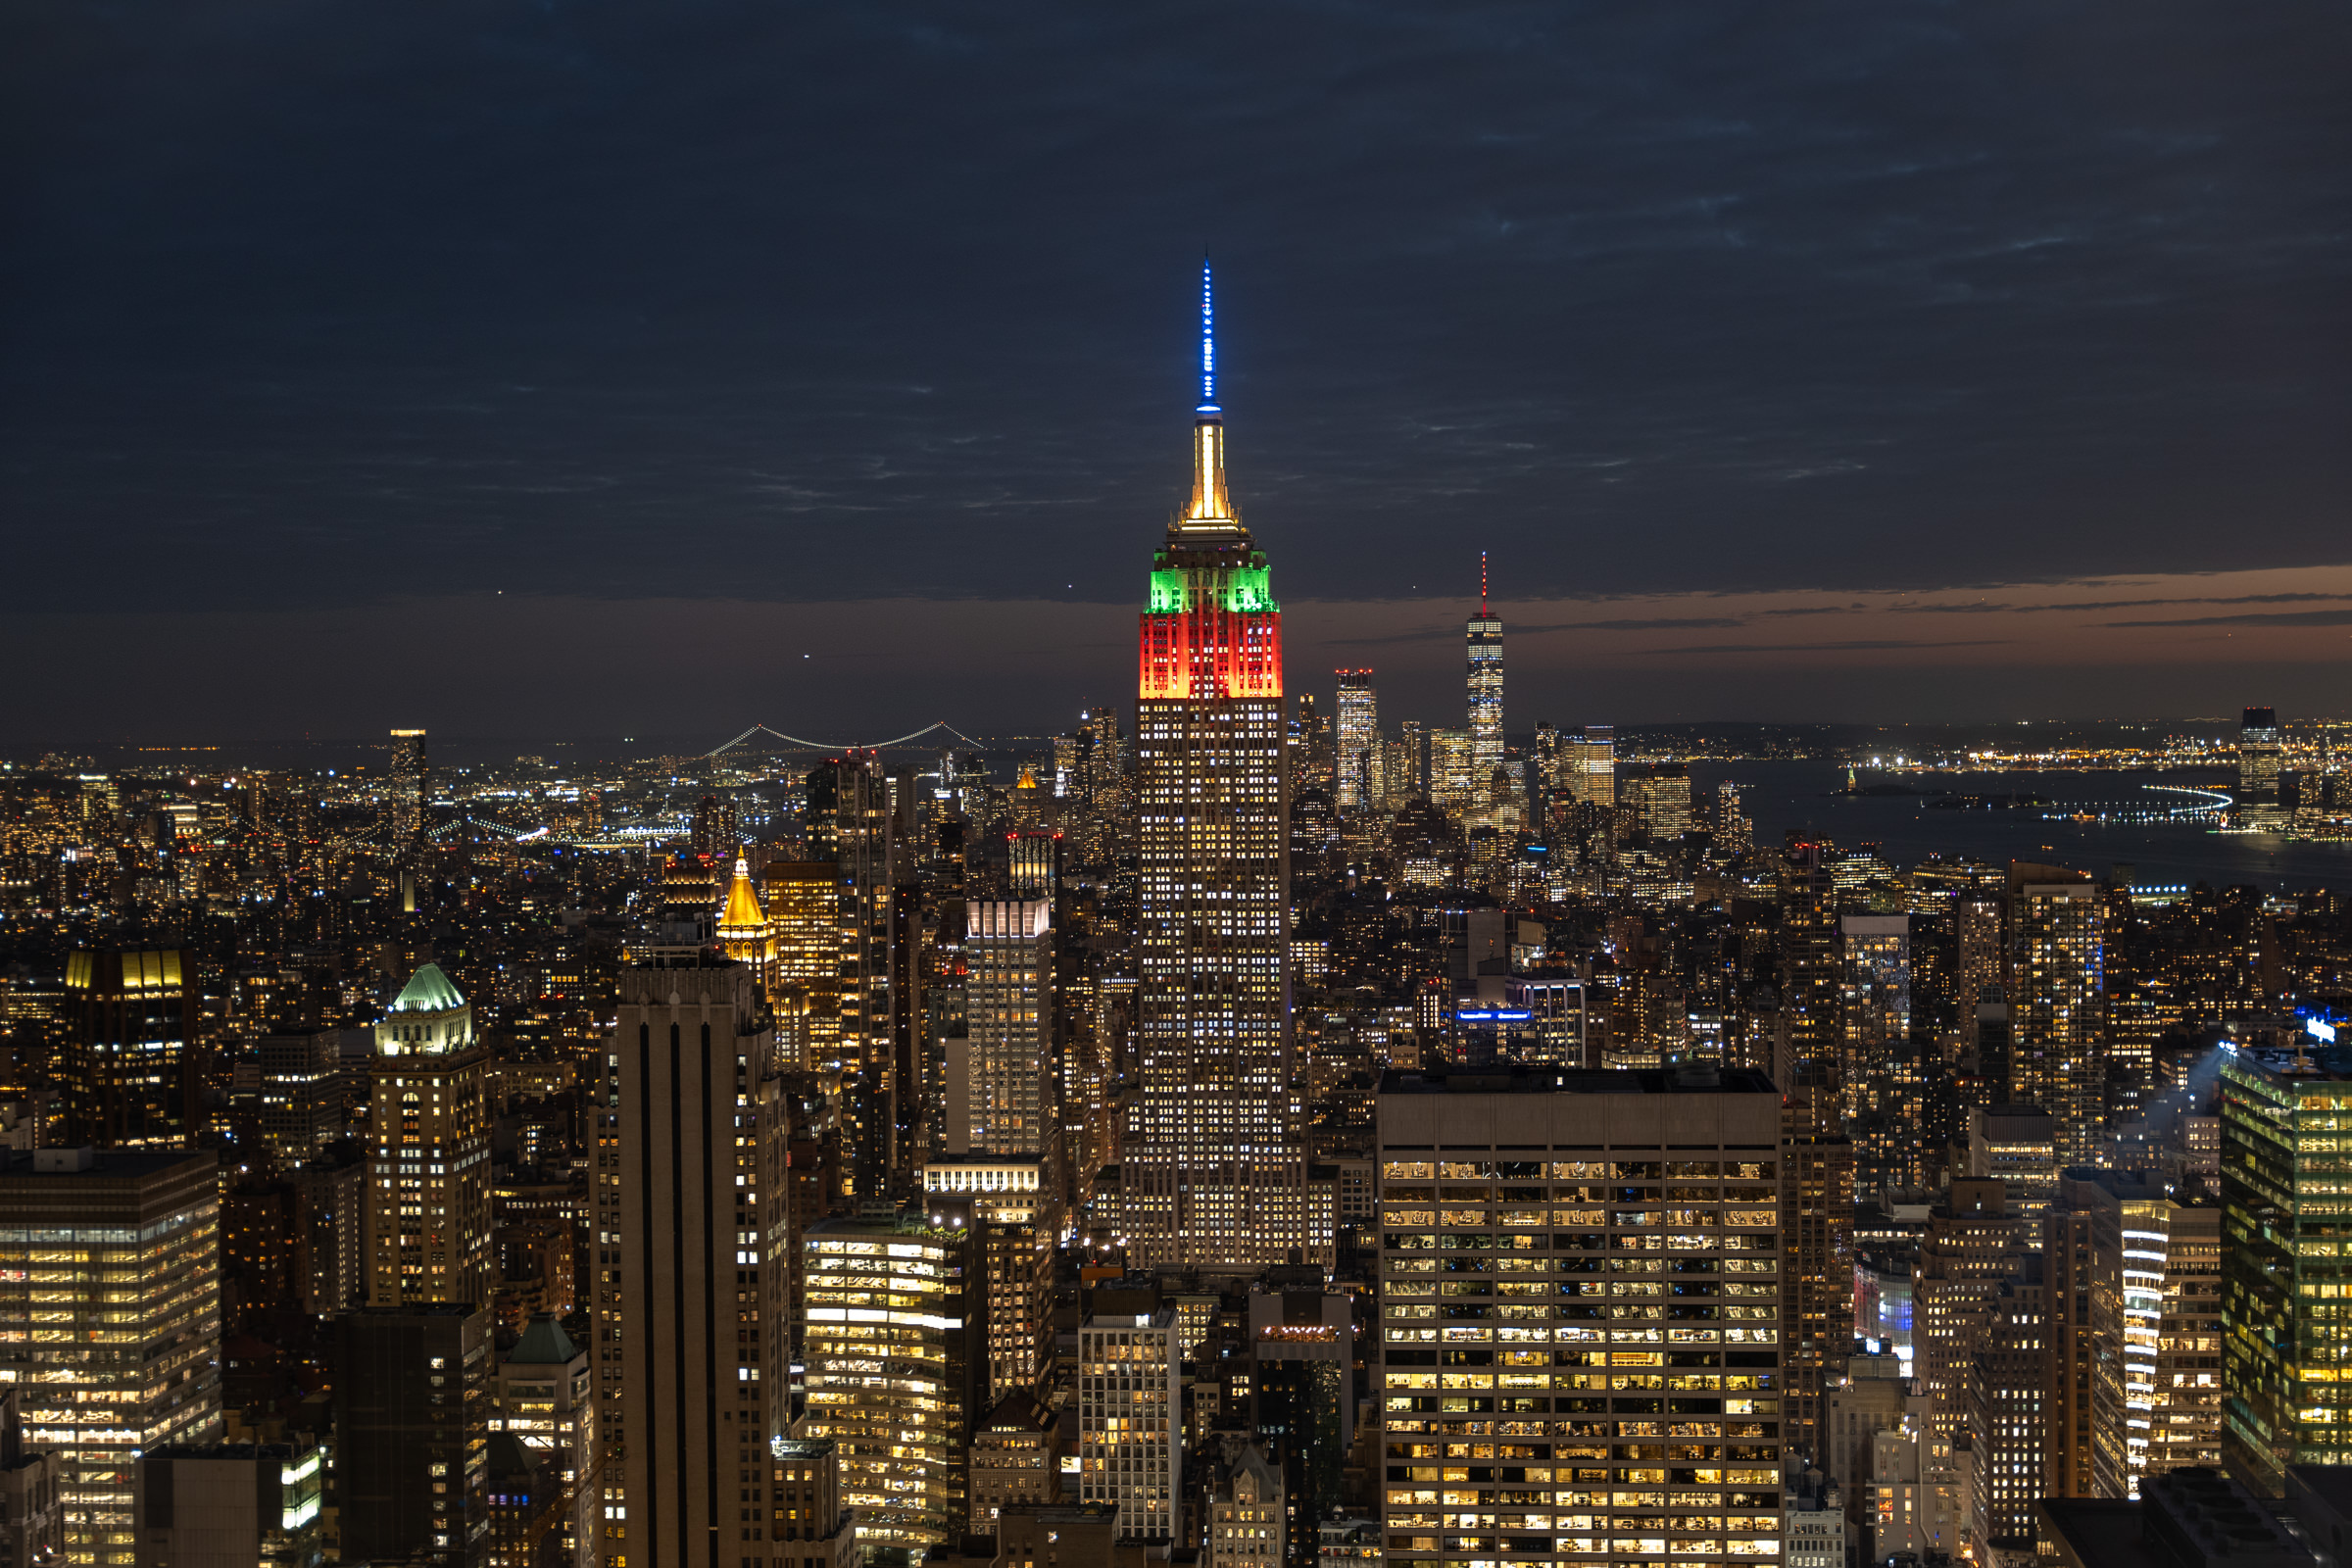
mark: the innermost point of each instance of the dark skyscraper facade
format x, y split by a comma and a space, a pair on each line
412, 1385
699, 1253
1213, 1171
132, 1071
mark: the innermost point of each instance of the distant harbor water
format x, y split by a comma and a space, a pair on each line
1807, 795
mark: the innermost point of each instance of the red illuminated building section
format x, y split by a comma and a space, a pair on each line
1210, 652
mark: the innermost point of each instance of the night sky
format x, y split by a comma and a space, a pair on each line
534, 370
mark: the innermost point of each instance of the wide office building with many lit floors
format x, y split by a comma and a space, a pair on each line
110, 1321
1580, 1317
891, 1338
1213, 1171
1586, 770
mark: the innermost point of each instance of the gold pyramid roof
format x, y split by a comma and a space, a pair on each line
743, 900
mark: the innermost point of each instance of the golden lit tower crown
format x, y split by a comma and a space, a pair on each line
744, 932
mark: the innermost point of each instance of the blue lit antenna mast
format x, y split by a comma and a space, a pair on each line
1210, 508
1208, 346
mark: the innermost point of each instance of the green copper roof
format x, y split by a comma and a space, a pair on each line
428, 991
543, 1343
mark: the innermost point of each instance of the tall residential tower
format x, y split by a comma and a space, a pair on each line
1213, 1171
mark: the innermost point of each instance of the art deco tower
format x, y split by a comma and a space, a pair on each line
1484, 637
1212, 1171
429, 1152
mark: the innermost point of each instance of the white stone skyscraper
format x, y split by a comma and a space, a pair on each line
1131, 1419
1212, 1170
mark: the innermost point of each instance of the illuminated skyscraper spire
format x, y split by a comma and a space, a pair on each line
1213, 1167
1209, 344
1486, 694
1210, 509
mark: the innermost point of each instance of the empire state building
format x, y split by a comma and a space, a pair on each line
1212, 1170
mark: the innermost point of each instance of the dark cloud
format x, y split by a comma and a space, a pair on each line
313, 305
1861, 645
2287, 617
1661, 623
1536, 629
2231, 599
1421, 635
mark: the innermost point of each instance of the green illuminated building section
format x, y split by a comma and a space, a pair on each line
1239, 589
1246, 589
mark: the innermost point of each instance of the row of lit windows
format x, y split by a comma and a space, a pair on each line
1584, 1170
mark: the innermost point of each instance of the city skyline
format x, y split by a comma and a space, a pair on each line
1817, 1032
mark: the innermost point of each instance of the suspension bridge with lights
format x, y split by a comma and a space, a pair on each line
937, 727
